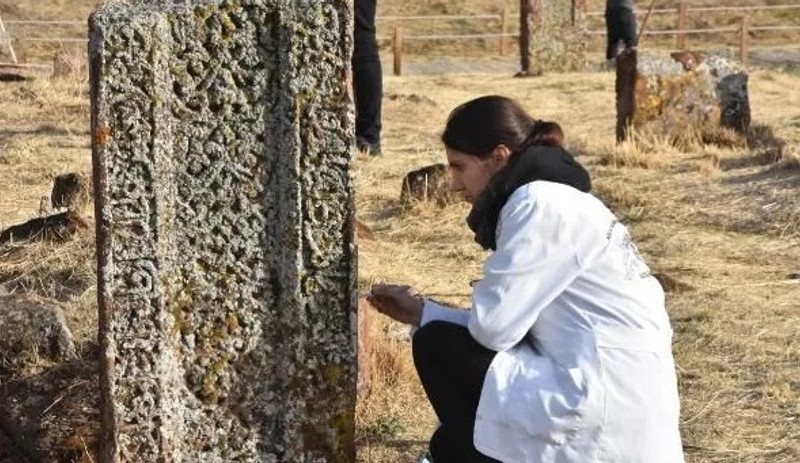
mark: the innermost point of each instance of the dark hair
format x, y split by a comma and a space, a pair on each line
478, 126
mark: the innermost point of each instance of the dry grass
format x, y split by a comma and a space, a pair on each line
715, 218
711, 218
43, 133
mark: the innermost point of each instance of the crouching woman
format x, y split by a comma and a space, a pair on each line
565, 355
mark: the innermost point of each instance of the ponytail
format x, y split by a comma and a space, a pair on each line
478, 126
542, 133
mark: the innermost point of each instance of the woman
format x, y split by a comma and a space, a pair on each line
565, 355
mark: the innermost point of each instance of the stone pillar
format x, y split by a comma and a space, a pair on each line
553, 36
222, 135
685, 93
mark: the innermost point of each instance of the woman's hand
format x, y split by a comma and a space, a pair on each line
397, 302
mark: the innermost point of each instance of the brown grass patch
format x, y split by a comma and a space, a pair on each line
790, 158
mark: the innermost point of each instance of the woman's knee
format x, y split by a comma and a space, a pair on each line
433, 337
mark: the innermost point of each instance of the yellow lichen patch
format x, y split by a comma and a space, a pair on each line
344, 426
333, 374
101, 135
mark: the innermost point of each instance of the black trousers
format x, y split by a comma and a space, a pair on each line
451, 366
367, 74
620, 27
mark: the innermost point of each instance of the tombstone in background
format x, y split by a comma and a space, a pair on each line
683, 92
553, 36
222, 135
428, 184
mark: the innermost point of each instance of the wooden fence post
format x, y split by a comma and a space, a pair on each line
681, 37
744, 41
398, 50
504, 31
525, 13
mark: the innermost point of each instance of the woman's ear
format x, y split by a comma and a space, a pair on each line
500, 155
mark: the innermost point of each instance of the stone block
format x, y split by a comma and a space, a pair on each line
681, 93
222, 148
71, 191
32, 329
429, 183
556, 35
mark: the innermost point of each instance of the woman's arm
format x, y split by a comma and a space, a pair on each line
433, 311
399, 303
535, 261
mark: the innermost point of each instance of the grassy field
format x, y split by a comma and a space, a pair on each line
724, 223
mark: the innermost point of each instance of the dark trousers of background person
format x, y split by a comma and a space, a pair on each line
451, 366
367, 77
620, 27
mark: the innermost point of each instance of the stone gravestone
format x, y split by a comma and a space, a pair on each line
222, 134
682, 95
553, 36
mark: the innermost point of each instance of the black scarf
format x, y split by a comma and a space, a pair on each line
535, 163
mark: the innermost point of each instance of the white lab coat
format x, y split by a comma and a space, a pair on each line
584, 371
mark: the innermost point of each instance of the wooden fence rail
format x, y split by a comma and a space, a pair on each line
681, 32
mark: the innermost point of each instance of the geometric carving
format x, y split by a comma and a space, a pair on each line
222, 135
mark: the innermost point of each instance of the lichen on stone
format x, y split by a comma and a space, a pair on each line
226, 269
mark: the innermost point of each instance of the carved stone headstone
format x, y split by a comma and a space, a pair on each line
686, 91
553, 36
222, 146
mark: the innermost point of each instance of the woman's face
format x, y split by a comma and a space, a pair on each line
470, 174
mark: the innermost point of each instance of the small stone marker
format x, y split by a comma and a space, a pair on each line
429, 183
222, 146
71, 191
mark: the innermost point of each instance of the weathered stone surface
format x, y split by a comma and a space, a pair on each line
554, 34
682, 93
71, 191
52, 417
32, 329
429, 183
222, 136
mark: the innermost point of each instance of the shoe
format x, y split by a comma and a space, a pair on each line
372, 149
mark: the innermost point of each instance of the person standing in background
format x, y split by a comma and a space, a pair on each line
620, 27
367, 79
